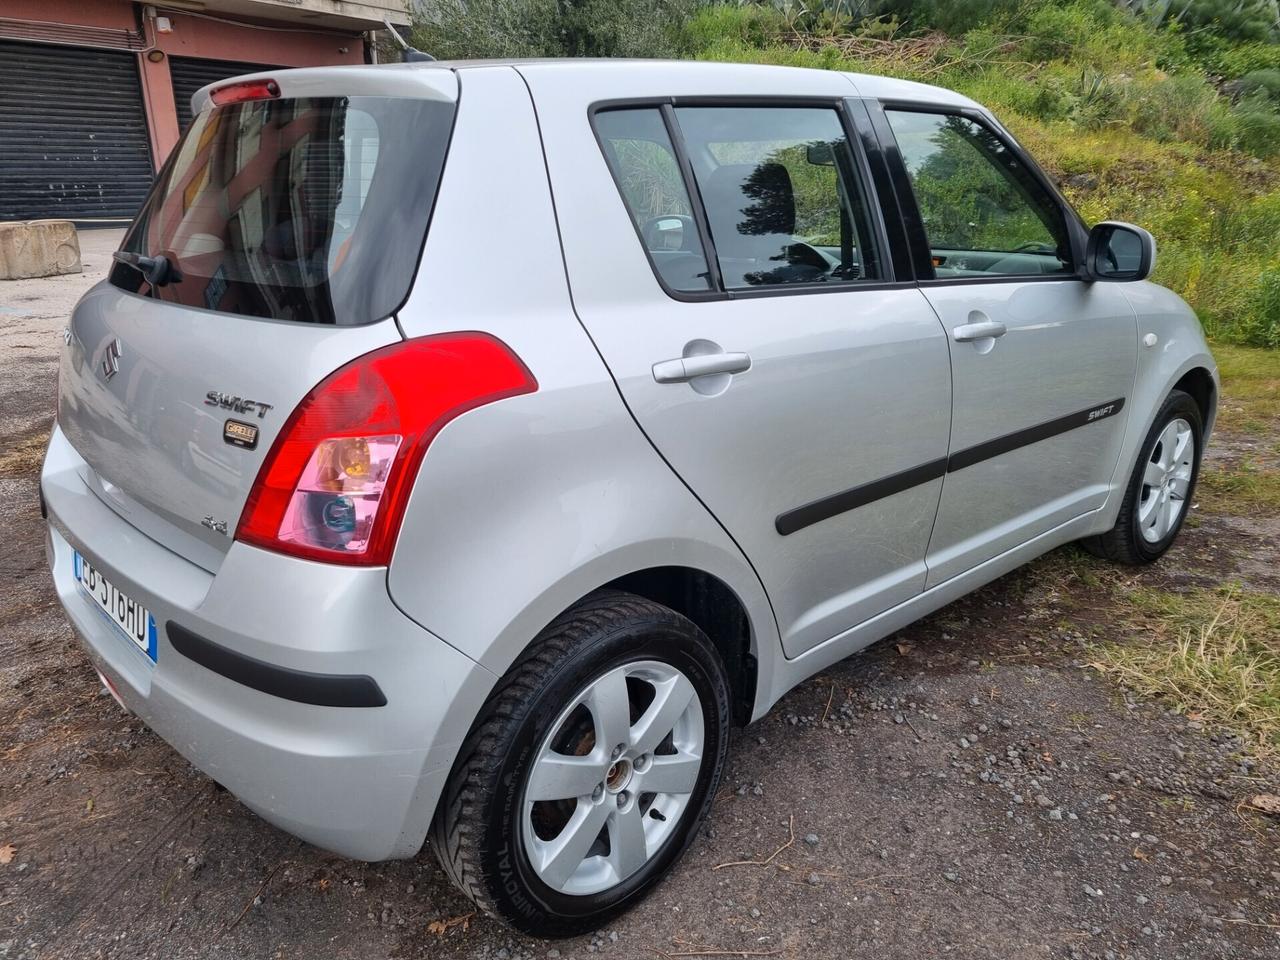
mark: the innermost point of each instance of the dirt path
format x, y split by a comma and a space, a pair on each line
968, 788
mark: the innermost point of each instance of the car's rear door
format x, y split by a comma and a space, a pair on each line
1042, 361
764, 347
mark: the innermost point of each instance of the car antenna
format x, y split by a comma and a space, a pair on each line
410, 54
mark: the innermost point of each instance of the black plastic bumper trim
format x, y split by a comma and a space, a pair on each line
301, 686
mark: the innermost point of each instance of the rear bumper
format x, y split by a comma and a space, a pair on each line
361, 781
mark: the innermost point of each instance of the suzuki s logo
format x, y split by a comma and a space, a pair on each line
111, 359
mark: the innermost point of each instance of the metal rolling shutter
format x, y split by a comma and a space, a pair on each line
189, 75
73, 133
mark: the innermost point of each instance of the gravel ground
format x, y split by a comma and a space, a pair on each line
967, 788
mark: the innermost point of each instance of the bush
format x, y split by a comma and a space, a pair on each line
1262, 319
1265, 82
465, 29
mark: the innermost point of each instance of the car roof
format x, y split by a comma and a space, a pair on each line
438, 79
692, 71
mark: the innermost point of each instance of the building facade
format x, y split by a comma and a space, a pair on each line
94, 93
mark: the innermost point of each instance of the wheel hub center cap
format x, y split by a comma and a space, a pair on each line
619, 776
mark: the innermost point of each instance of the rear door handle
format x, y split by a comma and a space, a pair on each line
684, 369
986, 329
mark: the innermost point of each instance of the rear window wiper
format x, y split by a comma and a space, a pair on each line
158, 271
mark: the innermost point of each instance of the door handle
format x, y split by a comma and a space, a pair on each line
983, 330
684, 369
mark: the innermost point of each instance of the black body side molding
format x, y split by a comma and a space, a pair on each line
828, 507
301, 686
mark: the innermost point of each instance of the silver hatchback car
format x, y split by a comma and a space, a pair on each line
462, 450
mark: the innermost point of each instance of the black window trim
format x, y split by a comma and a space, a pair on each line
922, 255
889, 253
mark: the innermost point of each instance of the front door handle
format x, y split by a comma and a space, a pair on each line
684, 369
983, 330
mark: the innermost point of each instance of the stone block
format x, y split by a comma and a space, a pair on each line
38, 248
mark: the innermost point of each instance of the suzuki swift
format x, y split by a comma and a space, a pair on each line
460, 451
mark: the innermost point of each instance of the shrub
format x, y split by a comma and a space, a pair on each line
1265, 81
463, 29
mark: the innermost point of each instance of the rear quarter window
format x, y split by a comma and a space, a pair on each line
306, 209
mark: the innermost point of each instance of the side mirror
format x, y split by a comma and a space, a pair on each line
1120, 252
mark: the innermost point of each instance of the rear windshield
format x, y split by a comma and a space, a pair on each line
308, 209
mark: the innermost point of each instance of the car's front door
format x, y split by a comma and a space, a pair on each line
1042, 362
794, 388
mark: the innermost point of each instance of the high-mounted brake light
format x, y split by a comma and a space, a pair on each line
245, 90
336, 481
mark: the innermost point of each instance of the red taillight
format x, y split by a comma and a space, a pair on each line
335, 483
246, 90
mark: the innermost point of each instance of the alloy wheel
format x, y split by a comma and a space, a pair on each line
613, 777
1166, 481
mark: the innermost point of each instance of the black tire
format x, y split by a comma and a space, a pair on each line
1124, 543
477, 830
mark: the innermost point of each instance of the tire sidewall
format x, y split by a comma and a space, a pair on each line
1177, 405
527, 901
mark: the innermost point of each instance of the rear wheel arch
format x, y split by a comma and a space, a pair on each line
717, 610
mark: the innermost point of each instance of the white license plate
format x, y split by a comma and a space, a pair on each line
126, 615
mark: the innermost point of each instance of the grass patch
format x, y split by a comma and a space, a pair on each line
1212, 654
1242, 489
1250, 389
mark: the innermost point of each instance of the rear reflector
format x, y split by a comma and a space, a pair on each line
336, 481
246, 90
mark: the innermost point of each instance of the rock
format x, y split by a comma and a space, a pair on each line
1055, 813
811, 839
39, 248
814, 880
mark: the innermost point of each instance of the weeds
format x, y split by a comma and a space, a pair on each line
1212, 654
1251, 390
1243, 489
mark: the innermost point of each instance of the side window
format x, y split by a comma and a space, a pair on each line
640, 154
983, 211
781, 198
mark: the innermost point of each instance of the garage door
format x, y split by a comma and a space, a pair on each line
73, 135
189, 75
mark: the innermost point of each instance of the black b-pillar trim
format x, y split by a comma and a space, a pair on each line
301, 686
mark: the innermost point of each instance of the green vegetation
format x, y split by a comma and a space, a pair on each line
1213, 654
1243, 489
1251, 391
1163, 114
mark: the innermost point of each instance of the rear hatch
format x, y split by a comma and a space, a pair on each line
291, 219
